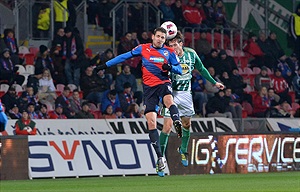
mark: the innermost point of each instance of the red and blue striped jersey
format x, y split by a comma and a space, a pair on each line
152, 61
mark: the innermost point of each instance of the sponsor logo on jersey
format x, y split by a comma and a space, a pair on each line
157, 59
166, 53
185, 68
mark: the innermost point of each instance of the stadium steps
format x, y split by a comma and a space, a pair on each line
97, 40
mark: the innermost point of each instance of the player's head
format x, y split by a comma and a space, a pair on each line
159, 37
176, 43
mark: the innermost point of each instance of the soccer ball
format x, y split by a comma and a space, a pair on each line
171, 29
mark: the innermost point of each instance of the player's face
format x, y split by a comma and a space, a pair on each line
158, 39
176, 46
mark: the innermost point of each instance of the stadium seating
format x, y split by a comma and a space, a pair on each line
256, 70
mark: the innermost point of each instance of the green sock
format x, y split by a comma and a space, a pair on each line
185, 140
163, 139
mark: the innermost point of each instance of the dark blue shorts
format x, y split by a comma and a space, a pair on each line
152, 95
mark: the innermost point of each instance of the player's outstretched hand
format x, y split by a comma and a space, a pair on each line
167, 67
220, 85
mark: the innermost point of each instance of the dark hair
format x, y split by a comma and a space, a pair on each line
113, 92
178, 36
160, 29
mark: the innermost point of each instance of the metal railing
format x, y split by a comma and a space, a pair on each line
122, 6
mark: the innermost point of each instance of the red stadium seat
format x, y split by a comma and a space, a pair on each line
187, 38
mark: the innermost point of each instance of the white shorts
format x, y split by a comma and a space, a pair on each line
184, 102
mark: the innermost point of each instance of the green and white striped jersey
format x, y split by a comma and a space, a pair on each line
189, 61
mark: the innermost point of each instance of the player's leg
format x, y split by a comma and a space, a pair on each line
150, 101
186, 123
169, 103
164, 134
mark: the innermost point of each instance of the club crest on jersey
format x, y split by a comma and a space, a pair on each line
166, 53
185, 68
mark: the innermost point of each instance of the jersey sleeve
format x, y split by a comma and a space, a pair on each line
121, 58
174, 61
200, 67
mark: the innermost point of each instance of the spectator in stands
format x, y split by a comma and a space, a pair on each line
57, 54
12, 44
209, 87
225, 63
43, 112
107, 78
126, 97
237, 85
109, 112
104, 9
65, 14
31, 111
275, 48
25, 126
203, 46
110, 98
135, 39
285, 110
165, 7
2, 44
126, 43
261, 103
132, 111
64, 101
212, 59
269, 60
199, 92
218, 106
8, 69
76, 102
192, 15
209, 14
73, 55
10, 98
251, 47
119, 114
225, 79
44, 61
285, 69
273, 97
46, 87
124, 77
33, 80
58, 113
178, 15
280, 86
234, 106
296, 84
43, 21
293, 63
92, 6
107, 55
14, 112
93, 86
84, 112
145, 38
31, 97
23, 101
262, 79
294, 29
220, 15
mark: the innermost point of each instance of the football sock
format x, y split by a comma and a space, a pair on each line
185, 140
154, 138
174, 112
163, 138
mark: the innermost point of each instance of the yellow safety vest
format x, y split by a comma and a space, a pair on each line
297, 24
61, 11
44, 20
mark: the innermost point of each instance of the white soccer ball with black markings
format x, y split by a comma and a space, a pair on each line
171, 29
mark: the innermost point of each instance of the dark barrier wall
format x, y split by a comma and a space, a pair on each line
14, 158
237, 154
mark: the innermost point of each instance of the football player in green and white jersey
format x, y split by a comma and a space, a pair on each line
181, 84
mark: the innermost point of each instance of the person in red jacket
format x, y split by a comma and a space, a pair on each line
261, 103
25, 126
280, 86
58, 113
192, 15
